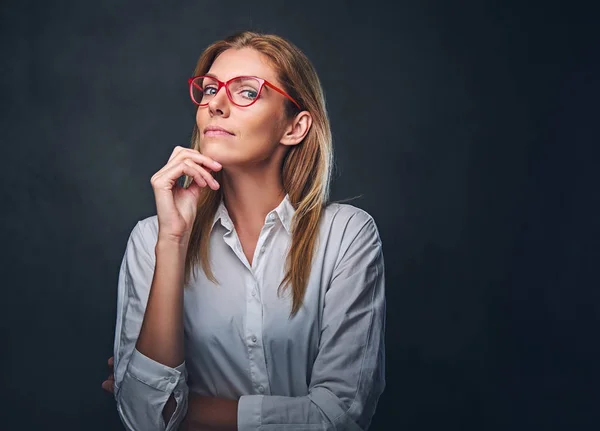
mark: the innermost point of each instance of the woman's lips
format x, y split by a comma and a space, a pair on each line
217, 133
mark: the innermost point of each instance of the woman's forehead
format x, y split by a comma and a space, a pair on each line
242, 62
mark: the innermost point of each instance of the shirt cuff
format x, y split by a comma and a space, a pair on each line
155, 374
249, 412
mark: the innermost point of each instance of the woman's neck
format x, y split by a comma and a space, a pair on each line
250, 196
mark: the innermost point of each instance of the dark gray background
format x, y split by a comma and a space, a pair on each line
468, 128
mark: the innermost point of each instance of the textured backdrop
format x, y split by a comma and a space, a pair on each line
467, 129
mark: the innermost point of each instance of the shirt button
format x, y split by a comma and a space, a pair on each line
173, 379
271, 217
254, 338
254, 292
261, 389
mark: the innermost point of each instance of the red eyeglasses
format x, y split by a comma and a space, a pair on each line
242, 90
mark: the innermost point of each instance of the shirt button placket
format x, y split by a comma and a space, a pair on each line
253, 332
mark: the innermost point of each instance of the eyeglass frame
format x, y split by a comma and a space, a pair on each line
222, 84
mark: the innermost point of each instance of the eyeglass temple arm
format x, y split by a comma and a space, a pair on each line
196, 85
283, 93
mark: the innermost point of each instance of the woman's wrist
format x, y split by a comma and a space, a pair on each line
172, 241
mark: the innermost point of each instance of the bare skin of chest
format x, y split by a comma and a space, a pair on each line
248, 241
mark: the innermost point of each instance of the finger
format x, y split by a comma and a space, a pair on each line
111, 361
167, 179
198, 177
108, 386
210, 180
176, 151
196, 156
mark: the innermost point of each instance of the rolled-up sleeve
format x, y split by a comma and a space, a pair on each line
142, 385
348, 374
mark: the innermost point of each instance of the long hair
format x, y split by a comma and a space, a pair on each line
306, 169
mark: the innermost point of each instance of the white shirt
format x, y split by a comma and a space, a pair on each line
322, 369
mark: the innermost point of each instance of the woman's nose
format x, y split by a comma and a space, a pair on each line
220, 102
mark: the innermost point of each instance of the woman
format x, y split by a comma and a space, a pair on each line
249, 301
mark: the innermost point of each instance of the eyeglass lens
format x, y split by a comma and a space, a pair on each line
243, 91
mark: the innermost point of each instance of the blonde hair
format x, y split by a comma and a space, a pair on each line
306, 168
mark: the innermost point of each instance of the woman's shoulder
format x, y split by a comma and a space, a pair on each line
145, 233
339, 211
348, 219
149, 225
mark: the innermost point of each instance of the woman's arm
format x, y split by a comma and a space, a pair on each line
150, 370
150, 376
161, 335
210, 414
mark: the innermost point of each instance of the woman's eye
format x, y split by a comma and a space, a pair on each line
249, 94
210, 91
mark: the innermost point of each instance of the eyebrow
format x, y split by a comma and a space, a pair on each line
212, 75
265, 87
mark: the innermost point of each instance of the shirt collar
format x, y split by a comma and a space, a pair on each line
284, 212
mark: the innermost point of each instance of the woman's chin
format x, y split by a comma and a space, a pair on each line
222, 154
222, 157
213, 151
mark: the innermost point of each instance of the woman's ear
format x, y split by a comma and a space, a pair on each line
297, 129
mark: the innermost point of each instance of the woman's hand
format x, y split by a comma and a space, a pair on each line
176, 207
109, 384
